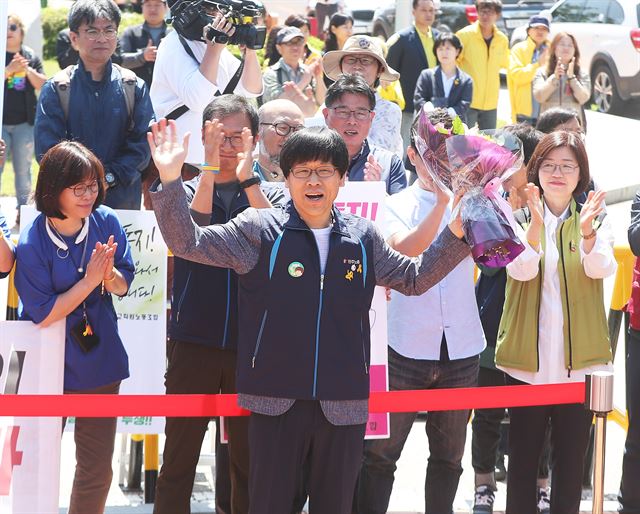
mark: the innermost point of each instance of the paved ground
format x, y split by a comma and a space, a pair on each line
608, 142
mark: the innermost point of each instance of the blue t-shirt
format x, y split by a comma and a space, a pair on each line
7, 234
42, 273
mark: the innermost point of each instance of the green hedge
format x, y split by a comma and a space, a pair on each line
54, 20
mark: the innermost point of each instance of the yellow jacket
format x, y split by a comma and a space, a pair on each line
393, 93
483, 66
520, 76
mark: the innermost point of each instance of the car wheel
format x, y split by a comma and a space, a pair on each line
604, 94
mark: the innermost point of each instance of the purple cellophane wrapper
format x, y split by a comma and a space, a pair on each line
492, 240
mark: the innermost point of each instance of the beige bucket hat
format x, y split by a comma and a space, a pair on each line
358, 45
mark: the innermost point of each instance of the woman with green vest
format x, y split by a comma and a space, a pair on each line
553, 328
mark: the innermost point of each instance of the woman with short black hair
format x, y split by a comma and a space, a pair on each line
70, 260
446, 85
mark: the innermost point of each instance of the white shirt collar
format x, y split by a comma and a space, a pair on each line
59, 242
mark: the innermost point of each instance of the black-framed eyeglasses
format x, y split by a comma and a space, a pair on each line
364, 61
81, 189
234, 141
13, 27
321, 171
94, 34
344, 113
282, 128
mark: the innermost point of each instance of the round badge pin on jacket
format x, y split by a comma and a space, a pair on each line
296, 269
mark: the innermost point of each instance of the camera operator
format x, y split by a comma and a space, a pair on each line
190, 72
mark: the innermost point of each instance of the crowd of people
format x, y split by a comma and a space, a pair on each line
259, 305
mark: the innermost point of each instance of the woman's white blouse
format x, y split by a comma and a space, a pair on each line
599, 263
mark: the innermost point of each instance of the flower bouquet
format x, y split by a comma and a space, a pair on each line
473, 165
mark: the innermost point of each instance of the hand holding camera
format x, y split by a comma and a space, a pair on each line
219, 31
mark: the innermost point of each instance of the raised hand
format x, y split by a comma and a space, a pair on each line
537, 215
591, 208
514, 199
150, 52
571, 67
212, 138
167, 153
244, 170
372, 169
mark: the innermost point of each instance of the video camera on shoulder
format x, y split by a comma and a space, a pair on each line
191, 17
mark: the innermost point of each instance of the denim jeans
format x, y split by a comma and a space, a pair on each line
19, 141
629, 491
446, 431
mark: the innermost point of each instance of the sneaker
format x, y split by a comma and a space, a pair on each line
483, 501
544, 505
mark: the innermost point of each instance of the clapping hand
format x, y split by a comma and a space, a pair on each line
167, 153
593, 207
571, 67
212, 139
534, 203
100, 263
111, 248
244, 170
17, 64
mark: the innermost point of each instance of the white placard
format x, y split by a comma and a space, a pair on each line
31, 362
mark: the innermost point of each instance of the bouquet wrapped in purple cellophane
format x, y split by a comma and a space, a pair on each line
473, 166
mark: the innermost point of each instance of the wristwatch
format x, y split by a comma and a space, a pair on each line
250, 182
110, 179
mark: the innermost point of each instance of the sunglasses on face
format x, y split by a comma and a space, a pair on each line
12, 27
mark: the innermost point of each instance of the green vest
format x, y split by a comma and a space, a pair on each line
586, 339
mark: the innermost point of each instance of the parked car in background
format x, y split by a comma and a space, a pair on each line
363, 11
608, 34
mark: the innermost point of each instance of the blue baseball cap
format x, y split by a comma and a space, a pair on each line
538, 21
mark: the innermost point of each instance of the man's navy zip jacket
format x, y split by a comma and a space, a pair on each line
204, 307
302, 334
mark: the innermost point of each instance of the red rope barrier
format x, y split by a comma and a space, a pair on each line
195, 405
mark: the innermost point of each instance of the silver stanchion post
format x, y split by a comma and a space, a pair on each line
599, 400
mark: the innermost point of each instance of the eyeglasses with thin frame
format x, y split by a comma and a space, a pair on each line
234, 141
549, 168
283, 129
94, 34
351, 60
81, 189
360, 114
320, 171
13, 27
